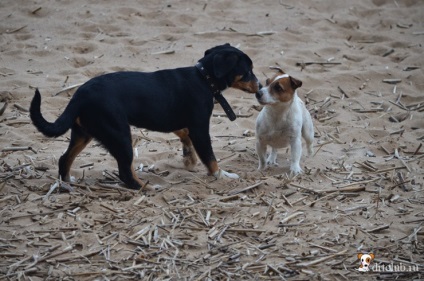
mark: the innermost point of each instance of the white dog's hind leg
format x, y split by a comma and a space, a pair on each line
308, 134
261, 152
309, 144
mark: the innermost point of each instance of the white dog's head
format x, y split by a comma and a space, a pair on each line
280, 88
365, 261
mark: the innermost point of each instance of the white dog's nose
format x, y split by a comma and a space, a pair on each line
259, 94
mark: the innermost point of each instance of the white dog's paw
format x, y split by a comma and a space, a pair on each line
221, 174
262, 167
273, 163
310, 150
295, 169
272, 159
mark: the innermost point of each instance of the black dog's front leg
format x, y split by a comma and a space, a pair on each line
202, 144
189, 154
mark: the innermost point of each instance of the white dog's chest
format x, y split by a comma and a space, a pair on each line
277, 137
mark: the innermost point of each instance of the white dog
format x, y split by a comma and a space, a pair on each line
283, 121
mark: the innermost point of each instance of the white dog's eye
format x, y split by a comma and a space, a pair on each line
278, 88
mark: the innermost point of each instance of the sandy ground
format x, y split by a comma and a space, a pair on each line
361, 63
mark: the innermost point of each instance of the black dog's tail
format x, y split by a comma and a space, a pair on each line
57, 128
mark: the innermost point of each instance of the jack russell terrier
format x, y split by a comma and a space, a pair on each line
282, 121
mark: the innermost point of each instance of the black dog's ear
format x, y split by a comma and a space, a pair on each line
224, 63
216, 47
208, 51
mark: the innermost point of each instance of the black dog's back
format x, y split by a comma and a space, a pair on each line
158, 101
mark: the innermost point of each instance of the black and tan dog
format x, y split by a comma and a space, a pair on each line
172, 100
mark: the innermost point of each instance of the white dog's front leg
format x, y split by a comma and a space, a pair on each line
261, 152
272, 158
296, 154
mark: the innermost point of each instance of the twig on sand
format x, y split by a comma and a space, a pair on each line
342, 91
207, 272
3, 108
346, 188
36, 10
380, 228
67, 89
52, 188
320, 260
165, 52
286, 219
240, 115
18, 148
392, 81
321, 145
20, 107
237, 191
16, 29
65, 250
317, 62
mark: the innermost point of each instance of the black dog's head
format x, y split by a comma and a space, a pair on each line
231, 66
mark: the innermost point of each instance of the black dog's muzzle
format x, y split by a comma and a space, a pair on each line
259, 93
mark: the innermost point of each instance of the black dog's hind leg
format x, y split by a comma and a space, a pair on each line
79, 140
118, 142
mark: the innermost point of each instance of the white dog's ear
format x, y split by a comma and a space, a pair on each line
295, 83
372, 255
267, 82
278, 69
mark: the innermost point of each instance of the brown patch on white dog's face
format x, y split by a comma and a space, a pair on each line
280, 88
283, 87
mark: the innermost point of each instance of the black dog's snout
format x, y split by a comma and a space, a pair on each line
259, 93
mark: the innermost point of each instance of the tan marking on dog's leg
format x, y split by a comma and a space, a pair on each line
189, 154
78, 121
72, 153
213, 167
142, 184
